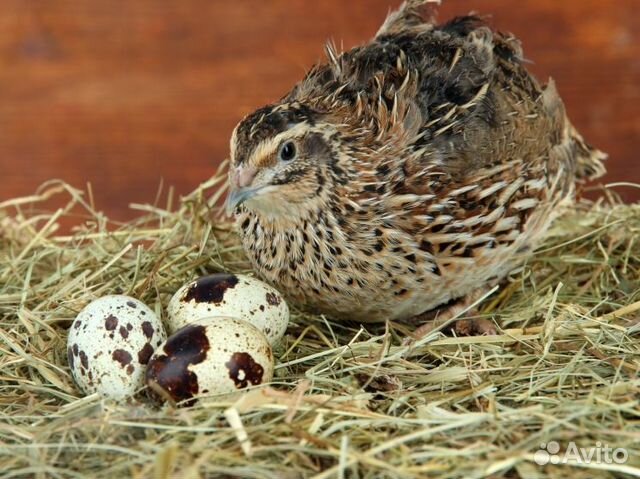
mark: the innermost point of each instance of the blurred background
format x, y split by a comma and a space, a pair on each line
125, 93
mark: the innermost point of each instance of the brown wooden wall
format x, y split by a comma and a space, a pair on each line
122, 93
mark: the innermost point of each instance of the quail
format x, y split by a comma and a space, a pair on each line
407, 174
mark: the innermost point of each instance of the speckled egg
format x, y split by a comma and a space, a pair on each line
110, 343
237, 296
210, 357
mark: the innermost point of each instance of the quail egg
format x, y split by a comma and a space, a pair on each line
110, 343
210, 357
237, 296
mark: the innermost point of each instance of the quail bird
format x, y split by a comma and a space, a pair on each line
407, 174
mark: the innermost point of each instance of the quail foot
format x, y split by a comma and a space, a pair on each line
404, 174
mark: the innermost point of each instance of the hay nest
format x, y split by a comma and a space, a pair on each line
347, 400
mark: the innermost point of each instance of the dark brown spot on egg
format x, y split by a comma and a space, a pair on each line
147, 329
273, 299
131, 304
111, 322
262, 307
77, 324
84, 359
124, 332
75, 349
122, 356
129, 327
244, 370
169, 372
145, 353
70, 357
130, 369
210, 289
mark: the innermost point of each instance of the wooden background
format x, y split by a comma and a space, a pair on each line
123, 93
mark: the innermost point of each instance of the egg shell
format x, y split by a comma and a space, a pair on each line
231, 295
210, 357
110, 343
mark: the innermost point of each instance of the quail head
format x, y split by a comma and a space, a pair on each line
404, 174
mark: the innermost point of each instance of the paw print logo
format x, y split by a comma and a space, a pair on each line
548, 453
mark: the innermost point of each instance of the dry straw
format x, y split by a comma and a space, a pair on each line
347, 401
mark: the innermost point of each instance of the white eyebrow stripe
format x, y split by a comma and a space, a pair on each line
233, 141
269, 147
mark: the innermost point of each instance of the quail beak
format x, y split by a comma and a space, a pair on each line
241, 188
238, 196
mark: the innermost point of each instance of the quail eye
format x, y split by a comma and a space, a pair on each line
288, 151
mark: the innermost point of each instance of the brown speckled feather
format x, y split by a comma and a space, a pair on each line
427, 164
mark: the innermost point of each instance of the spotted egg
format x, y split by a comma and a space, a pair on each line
210, 357
237, 296
110, 343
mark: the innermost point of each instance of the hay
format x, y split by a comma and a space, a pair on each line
347, 401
